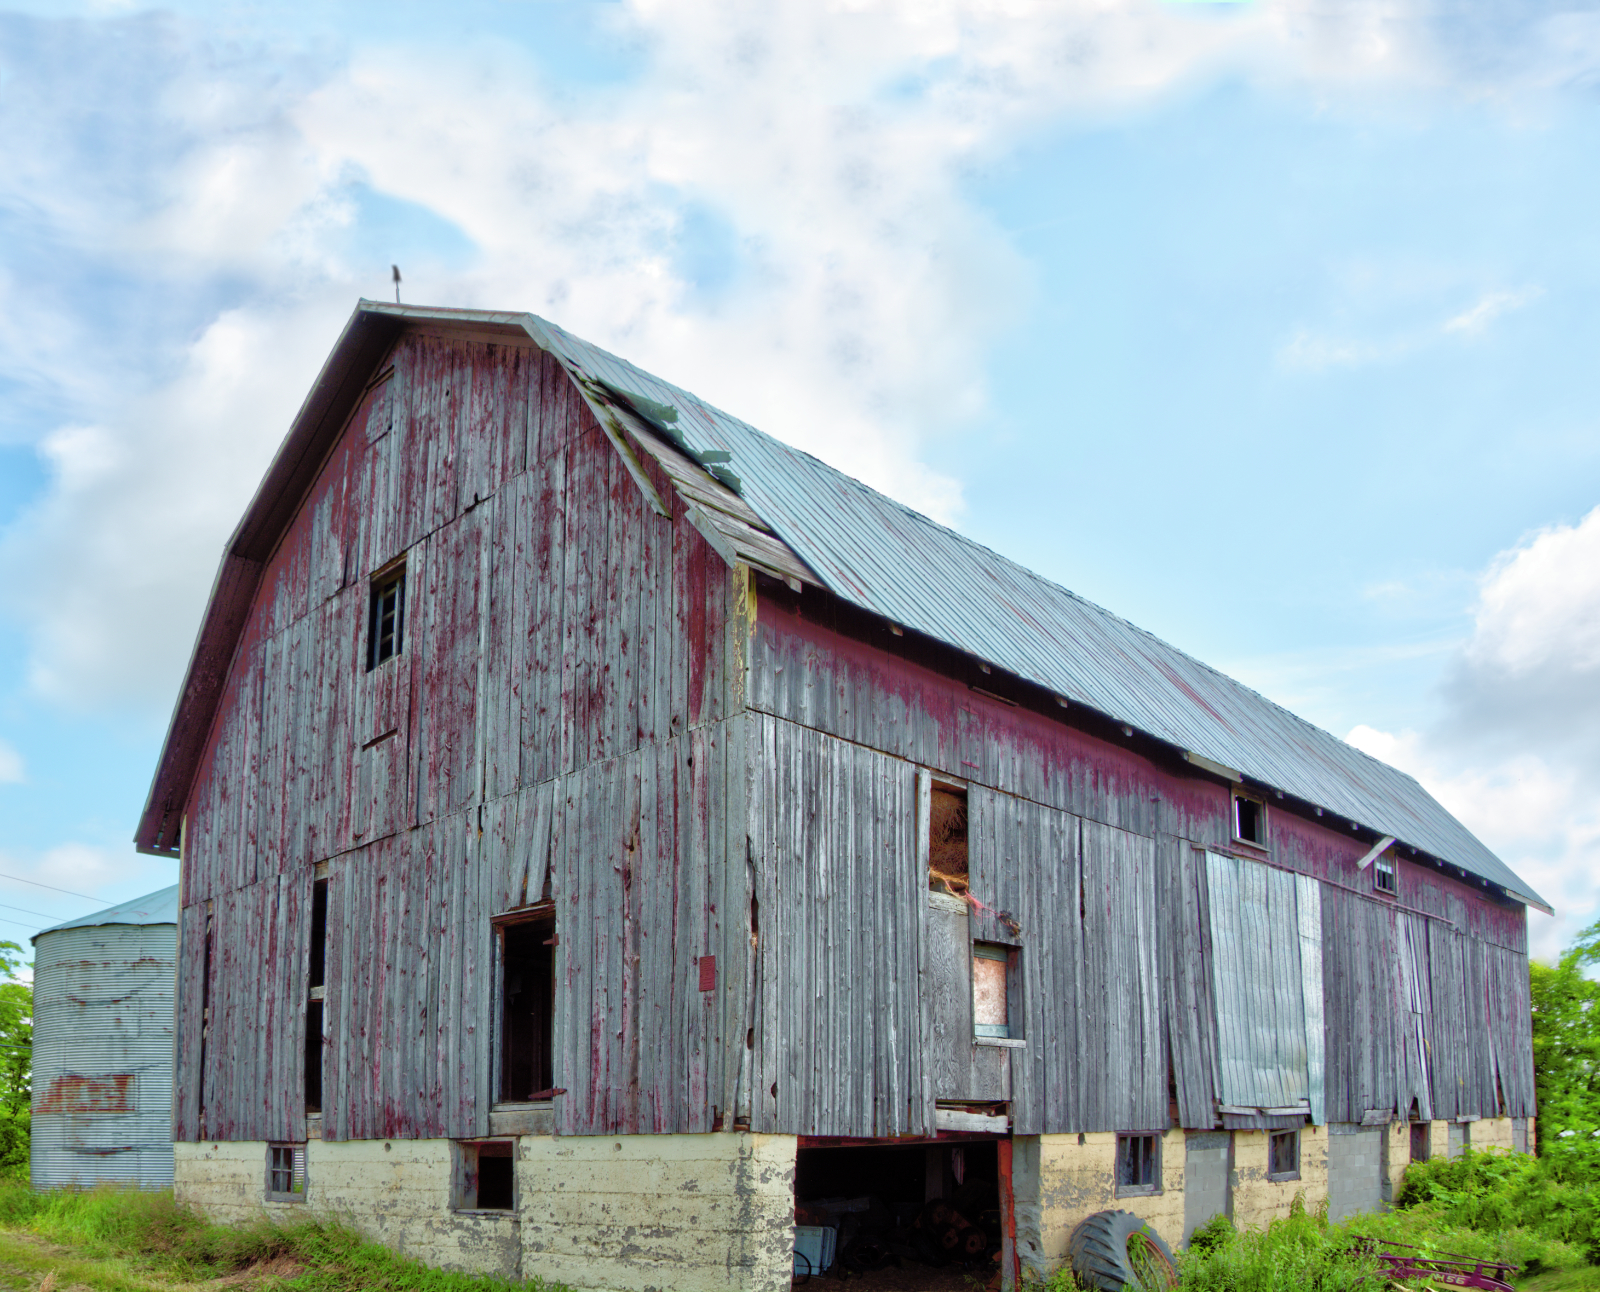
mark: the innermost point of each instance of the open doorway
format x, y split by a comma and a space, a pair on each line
923, 1215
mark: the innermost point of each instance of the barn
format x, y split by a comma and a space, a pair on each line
608, 834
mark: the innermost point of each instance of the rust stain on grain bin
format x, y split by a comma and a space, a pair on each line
74, 1094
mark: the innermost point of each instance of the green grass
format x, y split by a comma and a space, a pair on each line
126, 1240
1540, 1216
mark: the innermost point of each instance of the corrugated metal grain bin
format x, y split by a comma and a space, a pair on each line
102, 1046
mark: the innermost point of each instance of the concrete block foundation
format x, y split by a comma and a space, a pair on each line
715, 1213
667, 1213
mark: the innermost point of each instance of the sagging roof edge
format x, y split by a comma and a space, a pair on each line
367, 336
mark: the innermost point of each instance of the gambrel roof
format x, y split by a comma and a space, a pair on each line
791, 514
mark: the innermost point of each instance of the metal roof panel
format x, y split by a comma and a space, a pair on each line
893, 561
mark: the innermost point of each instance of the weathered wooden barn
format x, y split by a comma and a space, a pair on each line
604, 829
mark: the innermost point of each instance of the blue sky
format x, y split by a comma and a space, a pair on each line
1268, 326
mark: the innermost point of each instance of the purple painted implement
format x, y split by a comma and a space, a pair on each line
1448, 1267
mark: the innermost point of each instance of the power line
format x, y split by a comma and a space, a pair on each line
51, 887
41, 914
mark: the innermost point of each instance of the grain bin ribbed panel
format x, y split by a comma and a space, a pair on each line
102, 1047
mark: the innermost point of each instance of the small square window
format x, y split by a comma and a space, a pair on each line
1419, 1141
486, 1175
286, 1172
1138, 1164
1250, 820
991, 1004
1383, 874
1283, 1155
386, 620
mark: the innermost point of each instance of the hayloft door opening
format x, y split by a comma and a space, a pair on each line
527, 1009
316, 978
947, 840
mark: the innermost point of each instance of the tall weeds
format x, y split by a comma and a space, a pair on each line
152, 1227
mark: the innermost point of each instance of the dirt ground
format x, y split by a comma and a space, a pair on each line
910, 1277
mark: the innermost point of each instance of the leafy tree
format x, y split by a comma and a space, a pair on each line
1566, 1052
16, 1062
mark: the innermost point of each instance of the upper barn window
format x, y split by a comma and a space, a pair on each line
386, 619
1250, 819
1383, 873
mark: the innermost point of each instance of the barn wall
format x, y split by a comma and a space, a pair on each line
1115, 994
562, 711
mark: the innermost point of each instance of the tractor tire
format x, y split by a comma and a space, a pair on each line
1113, 1250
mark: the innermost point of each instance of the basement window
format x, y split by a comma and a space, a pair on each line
286, 1173
1283, 1155
527, 1009
1419, 1141
485, 1175
1384, 878
386, 619
947, 841
1250, 820
1138, 1165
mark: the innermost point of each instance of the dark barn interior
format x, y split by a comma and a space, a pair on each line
924, 1215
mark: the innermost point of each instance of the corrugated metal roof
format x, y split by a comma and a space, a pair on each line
893, 561
160, 907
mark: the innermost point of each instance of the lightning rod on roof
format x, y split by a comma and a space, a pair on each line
396, 269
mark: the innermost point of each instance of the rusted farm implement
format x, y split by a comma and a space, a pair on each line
1410, 1265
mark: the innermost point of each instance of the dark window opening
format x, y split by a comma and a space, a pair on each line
528, 1007
947, 841
314, 1057
386, 622
1419, 1141
205, 1023
286, 1172
1283, 1155
1383, 874
319, 933
487, 1180
1138, 1164
1249, 820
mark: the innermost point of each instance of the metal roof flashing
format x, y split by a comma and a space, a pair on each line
894, 563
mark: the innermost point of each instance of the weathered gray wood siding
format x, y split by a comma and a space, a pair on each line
844, 1031
564, 704
839, 1042
1078, 898
1117, 993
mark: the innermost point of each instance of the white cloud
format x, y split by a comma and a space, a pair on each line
1515, 753
1306, 351
12, 769
828, 144
1313, 350
1539, 604
1489, 307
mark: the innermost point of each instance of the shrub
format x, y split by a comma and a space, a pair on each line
1553, 1198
